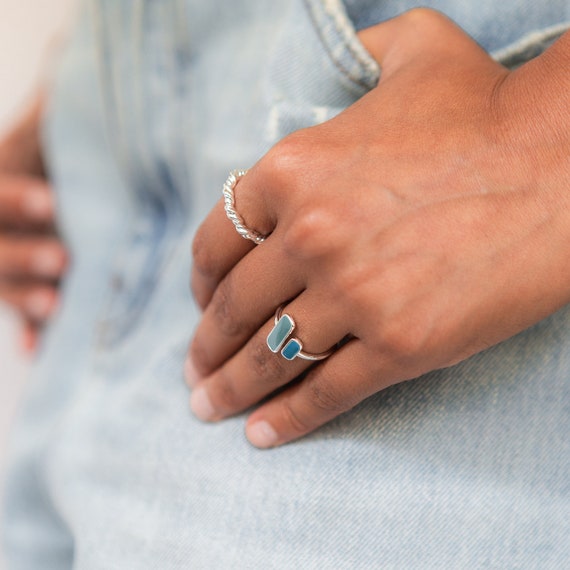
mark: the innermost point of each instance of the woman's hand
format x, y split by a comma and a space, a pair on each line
425, 223
32, 259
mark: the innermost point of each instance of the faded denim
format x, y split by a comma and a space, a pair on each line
154, 103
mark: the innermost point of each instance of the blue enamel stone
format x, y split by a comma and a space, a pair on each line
280, 333
292, 349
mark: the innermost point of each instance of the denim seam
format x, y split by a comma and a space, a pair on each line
365, 71
524, 48
124, 308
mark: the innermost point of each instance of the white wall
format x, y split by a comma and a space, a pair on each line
30, 31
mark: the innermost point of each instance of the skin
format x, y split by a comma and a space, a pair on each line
426, 223
32, 258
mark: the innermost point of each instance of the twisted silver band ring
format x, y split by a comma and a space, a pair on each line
279, 339
230, 207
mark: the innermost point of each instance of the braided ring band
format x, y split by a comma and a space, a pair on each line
283, 329
230, 205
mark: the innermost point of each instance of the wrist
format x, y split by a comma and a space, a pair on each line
533, 123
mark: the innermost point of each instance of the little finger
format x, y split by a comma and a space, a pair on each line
307, 324
328, 390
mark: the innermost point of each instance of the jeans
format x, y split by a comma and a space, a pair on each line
153, 104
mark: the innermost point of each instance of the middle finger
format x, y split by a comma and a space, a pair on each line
255, 371
241, 304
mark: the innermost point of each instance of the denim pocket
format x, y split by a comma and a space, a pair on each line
529, 46
144, 80
340, 40
316, 68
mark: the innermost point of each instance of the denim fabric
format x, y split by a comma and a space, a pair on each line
155, 102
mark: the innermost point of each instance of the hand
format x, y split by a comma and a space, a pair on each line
424, 224
32, 259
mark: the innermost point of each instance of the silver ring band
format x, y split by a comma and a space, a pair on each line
230, 207
280, 340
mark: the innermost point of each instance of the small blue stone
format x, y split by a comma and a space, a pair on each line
280, 333
292, 349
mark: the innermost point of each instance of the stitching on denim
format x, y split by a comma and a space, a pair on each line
151, 179
341, 23
335, 9
524, 49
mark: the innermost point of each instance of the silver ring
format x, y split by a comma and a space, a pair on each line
279, 339
230, 207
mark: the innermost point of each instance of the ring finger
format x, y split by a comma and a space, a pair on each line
255, 371
240, 306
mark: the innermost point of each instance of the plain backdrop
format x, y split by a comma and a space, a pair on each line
30, 33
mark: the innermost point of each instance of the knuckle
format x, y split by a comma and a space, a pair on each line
289, 154
224, 395
200, 291
310, 235
266, 365
293, 419
352, 283
325, 398
403, 339
200, 357
203, 261
223, 310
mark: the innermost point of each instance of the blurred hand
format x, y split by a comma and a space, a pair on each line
32, 259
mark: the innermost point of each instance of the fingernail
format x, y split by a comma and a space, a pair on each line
40, 305
262, 435
38, 203
201, 405
190, 374
48, 262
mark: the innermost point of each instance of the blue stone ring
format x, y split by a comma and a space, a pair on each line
291, 348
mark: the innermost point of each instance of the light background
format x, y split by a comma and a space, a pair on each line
30, 32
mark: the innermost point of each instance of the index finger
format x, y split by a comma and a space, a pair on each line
218, 246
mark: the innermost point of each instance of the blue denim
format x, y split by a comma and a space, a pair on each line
154, 103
